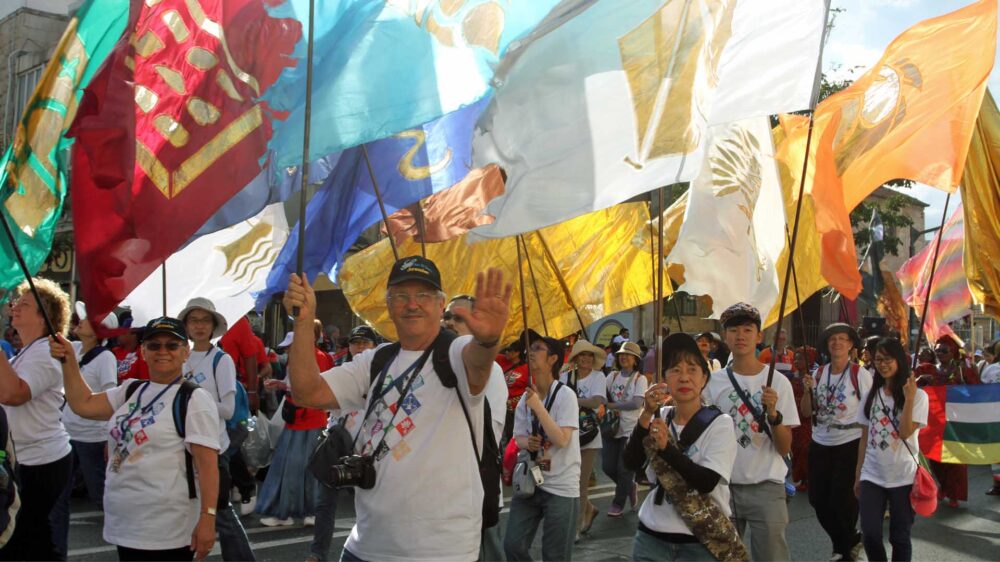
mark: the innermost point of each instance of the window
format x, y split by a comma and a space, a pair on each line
687, 305
24, 86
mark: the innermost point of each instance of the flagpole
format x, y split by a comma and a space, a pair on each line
421, 227
930, 282
657, 311
524, 304
163, 280
27, 274
304, 169
534, 283
563, 284
791, 248
657, 351
381, 203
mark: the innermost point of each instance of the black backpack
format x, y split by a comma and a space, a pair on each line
10, 501
179, 409
489, 460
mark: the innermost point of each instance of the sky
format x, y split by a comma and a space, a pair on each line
860, 35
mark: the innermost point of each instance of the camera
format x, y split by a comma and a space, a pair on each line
354, 470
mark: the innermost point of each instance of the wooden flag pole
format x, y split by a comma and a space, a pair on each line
524, 304
930, 282
27, 274
562, 283
381, 203
791, 249
163, 280
534, 283
657, 349
421, 226
798, 299
657, 309
304, 169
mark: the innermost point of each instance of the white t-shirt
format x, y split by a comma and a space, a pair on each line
220, 383
560, 465
427, 499
622, 389
887, 461
756, 458
146, 503
715, 449
36, 426
100, 373
837, 405
594, 384
991, 374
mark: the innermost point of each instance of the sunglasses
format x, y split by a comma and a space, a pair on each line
155, 345
449, 316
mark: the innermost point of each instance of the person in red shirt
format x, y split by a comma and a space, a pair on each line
131, 365
250, 357
290, 490
517, 378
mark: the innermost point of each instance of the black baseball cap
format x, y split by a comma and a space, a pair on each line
680, 343
363, 333
415, 268
165, 325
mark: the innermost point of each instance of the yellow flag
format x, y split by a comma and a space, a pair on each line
605, 260
981, 199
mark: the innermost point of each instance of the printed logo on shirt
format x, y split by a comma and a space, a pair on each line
385, 425
746, 426
882, 434
830, 403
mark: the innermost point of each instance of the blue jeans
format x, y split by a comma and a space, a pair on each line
872, 507
613, 461
326, 513
233, 539
558, 518
90, 458
650, 548
491, 545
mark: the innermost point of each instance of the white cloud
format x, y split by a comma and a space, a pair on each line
896, 3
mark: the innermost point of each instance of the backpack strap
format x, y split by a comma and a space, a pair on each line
91, 355
132, 387
855, 369
697, 425
180, 408
382, 356
441, 359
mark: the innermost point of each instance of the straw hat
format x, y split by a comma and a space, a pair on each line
630, 348
584, 346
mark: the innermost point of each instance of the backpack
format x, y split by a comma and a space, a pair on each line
489, 459
10, 501
241, 413
179, 409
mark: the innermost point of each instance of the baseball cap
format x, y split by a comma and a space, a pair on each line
740, 313
363, 333
165, 325
415, 268
680, 343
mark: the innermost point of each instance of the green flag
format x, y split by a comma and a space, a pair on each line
33, 171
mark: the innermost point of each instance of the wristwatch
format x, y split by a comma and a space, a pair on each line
778, 418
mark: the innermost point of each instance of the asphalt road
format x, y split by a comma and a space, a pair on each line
970, 532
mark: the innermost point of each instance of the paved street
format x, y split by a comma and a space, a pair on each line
971, 532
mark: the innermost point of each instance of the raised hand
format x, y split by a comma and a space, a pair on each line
300, 294
910, 388
62, 350
488, 316
655, 397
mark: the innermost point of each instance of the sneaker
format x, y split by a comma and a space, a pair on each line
835, 557
275, 522
856, 550
615, 511
309, 521
247, 506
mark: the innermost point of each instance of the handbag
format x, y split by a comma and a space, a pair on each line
589, 423
523, 477
924, 494
334, 443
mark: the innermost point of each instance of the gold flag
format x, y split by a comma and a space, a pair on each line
981, 198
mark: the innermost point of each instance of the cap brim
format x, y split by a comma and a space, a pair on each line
80, 309
411, 277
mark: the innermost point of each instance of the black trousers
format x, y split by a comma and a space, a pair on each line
182, 554
39, 487
831, 493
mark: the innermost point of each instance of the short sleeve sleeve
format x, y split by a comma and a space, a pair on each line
641, 386
458, 365
786, 401
566, 411
920, 407
116, 395
350, 381
522, 420
201, 425
107, 366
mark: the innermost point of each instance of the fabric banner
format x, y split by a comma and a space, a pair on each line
963, 424
981, 201
608, 99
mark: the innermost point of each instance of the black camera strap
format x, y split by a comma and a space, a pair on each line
409, 375
758, 415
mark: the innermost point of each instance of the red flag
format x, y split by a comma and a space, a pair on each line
170, 128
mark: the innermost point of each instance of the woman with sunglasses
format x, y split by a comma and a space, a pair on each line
149, 511
891, 417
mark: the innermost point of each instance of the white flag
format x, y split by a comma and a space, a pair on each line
734, 227
225, 267
610, 99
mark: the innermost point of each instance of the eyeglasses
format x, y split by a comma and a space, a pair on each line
883, 360
196, 321
403, 299
155, 345
451, 317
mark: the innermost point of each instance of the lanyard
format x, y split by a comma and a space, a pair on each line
194, 370
829, 379
383, 390
123, 426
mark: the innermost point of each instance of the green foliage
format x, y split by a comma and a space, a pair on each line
894, 220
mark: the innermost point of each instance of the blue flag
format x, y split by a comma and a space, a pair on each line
384, 66
409, 166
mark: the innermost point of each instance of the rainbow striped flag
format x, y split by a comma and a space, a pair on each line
950, 296
963, 424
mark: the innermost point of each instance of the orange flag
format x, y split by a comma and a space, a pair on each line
911, 116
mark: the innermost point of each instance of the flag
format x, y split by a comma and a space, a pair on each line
408, 166
449, 213
611, 246
911, 116
981, 200
893, 309
734, 228
597, 106
34, 168
790, 151
385, 66
963, 424
170, 129
226, 267
950, 297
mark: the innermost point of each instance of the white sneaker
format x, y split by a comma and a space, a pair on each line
836, 557
247, 507
309, 521
275, 522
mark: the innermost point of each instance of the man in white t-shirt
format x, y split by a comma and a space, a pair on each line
545, 423
764, 417
213, 369
832, 399
427, 498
